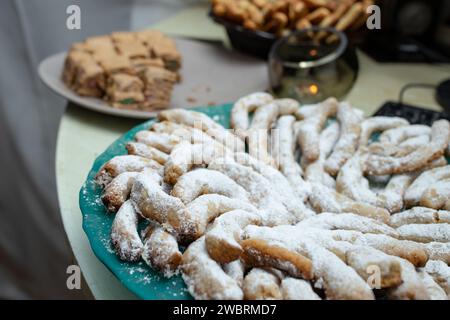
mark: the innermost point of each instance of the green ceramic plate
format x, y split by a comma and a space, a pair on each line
137, 277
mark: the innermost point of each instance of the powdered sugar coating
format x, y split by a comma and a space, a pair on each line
350, 129
419, 215
124, 235
205, 278
239, 114
425, 232
297, 289
378, 124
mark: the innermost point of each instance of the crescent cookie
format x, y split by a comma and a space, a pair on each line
309, 130
161, 141
425, 232
435, 292
118, 191
412, 286
203, 122
414, 193
152, 202
324, 199
378, 124
185, 133
161, 251
124, 235
339, 280
438, 251
205, 278
235, 270
146, 151
350, 129
419, 215
408, 250
121, 164
192, 222
440, 272
415, 160
437, 196
348, 221
260, 284
398, 135
366, 261
259, 189
239, 119
284, 146
185, 156
297, 289
315, 171
222, 238
206, 181
280, 184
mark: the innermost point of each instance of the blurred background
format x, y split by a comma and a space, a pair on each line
34, 251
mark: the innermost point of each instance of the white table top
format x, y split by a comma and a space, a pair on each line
84, 134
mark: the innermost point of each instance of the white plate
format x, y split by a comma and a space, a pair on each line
211, 75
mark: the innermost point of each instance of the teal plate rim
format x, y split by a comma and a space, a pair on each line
137, 277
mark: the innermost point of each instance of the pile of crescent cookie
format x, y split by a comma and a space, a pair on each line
283, 16
311, 202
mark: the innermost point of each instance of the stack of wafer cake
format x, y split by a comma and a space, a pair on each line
130, 70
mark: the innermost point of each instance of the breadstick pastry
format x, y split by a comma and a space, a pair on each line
425, 232
435, 292
124, 235
161, 141
315, 171
235, 270
402, 133
309, 131
440, 272
438, 251
437, 195
412, 287
260, 284
161, 250
408, 250
152, 202
284, 146
348, 221
350, 129
347, 20
239, 114
260, 191
185, 156
203, 122
324, 199
222, 239
297, 289
118, 191
419, 215
121, 164
146, 151
378, 124
192, 222
363, 258
205, 278
280, 184
414, 193
381, 164
205, 181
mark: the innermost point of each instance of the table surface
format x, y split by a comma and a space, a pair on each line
84, 134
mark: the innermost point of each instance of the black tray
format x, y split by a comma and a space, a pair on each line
414, 115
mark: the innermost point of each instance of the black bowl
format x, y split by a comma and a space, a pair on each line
256, 43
